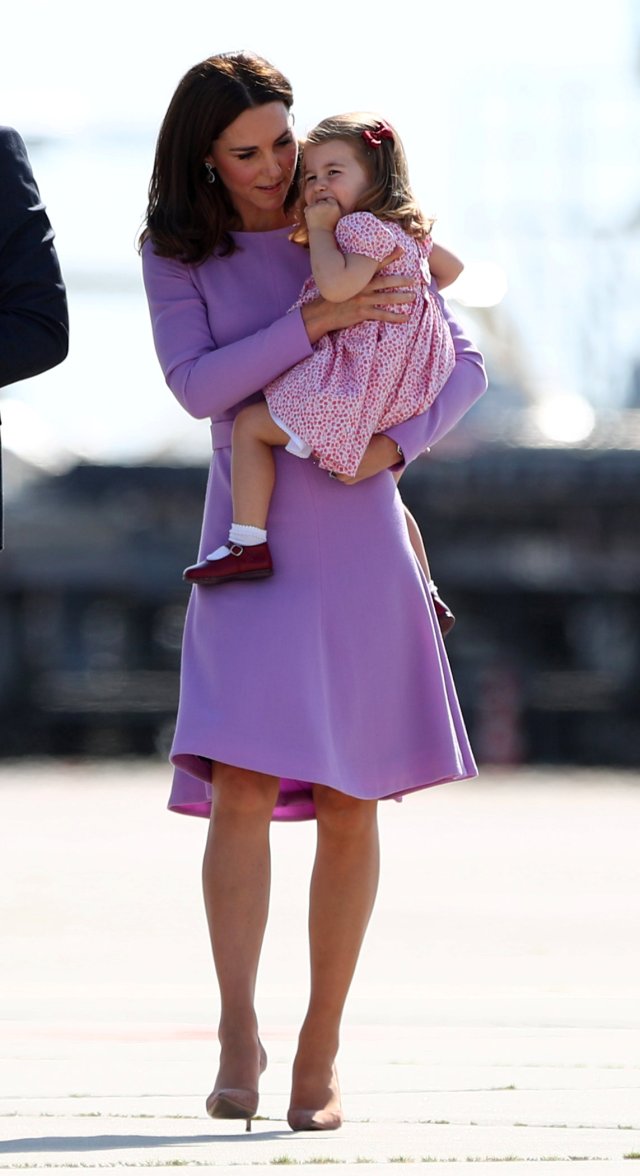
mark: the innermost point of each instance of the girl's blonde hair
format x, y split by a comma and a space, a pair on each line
389, 195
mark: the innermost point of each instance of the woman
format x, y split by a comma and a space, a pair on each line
325, 688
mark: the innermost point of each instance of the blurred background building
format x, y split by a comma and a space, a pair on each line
522, 131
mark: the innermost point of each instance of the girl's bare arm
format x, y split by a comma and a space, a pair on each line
444, 266
337, 275
322, 316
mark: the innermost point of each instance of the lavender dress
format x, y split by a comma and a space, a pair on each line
333, 671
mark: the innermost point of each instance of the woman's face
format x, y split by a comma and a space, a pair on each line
255, 158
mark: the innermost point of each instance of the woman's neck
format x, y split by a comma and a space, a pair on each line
264, 222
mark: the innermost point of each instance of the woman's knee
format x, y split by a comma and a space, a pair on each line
346, 815
239, 792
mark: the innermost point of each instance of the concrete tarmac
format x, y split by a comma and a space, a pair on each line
493, 1025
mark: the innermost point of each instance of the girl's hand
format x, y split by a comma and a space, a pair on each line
324, 214
381, 453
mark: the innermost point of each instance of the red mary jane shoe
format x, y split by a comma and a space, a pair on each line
446, 619
242, 563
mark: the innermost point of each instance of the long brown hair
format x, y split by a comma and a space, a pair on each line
389, 195
187, 218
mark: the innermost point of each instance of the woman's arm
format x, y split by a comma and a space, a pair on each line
209, 380
465, 385
205, 379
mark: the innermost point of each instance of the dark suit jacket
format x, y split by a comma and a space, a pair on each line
34, 322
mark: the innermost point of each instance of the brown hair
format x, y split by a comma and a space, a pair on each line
187, 218
389, 195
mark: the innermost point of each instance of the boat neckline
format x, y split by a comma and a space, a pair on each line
262, 232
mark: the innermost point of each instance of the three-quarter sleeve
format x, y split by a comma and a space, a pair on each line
206, 379
466, 384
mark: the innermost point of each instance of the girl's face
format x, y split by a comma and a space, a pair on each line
334, 168
255, 158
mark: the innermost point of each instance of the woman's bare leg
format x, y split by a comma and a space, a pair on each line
252, 465
343, 890
236, 877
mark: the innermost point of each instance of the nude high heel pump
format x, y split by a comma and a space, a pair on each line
232, 1103
325, 1119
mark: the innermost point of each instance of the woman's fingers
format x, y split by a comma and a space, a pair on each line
374, 297
384, 313
381, 454
378, 315
395, 256
375, 303
391, 282
390, 290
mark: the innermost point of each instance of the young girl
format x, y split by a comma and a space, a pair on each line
358, 209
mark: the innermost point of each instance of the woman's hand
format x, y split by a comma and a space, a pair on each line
320, 317
381, 453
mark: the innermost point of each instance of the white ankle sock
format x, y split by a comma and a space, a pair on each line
243, 536
247, 536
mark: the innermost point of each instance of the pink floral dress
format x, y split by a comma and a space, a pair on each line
368, 378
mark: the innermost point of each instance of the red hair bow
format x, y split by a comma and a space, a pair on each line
374, 138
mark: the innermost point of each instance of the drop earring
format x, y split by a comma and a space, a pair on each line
211, 175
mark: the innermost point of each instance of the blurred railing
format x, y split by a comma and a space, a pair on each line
536, 550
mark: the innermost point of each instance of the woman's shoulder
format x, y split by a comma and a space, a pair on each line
157, 262
167, 277
158, 267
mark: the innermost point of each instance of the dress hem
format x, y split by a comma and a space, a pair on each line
295, 803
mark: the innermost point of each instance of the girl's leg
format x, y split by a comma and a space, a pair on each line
446, 619
246, 555
252, 464
236, 878
417, 542
343, 890
415, 535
